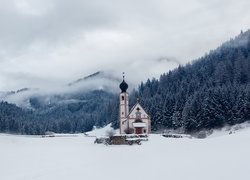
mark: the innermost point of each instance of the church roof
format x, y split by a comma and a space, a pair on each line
136, 105
133, 108
142, 124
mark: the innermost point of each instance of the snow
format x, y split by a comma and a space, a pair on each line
139, 124
98, 132
230, 129
77, 157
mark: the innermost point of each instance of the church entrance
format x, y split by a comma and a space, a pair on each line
138, 130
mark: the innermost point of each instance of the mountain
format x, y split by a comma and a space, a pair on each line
95, 76
208, 93
81, 105
100, 80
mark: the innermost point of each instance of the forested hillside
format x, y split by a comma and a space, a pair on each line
208, 93
95, 108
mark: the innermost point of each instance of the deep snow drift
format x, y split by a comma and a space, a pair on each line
77, 158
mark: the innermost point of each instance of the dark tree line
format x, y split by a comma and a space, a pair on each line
209, 93
96, 108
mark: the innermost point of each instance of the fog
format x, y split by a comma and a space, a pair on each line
46, 44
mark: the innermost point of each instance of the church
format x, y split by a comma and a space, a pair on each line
134, 121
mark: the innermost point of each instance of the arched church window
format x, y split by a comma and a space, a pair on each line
123, 98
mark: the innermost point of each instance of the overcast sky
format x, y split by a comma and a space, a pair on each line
45, 43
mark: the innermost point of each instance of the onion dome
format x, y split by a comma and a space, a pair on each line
123, 85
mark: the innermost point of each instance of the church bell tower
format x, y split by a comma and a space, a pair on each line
124, 108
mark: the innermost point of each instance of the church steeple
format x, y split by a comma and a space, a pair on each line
124, 108
123, 85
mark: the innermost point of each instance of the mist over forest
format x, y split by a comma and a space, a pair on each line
210, 92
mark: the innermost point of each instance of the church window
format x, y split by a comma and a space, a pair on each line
144, 130
123, 98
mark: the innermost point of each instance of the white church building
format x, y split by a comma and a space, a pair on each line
134, 121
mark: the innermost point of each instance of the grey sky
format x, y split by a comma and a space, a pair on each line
46, 43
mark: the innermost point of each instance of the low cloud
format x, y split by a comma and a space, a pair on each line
48, 43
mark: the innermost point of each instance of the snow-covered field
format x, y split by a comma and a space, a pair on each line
224, 157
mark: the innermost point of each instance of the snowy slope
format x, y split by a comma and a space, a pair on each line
101, 132
230, 129
77, 158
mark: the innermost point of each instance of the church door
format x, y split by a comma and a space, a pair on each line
138, 130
